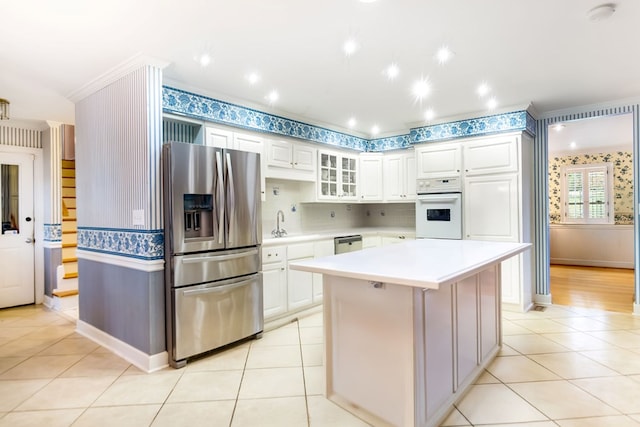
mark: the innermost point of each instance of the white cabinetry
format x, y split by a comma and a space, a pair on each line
396, 238
496, 155
497, 205
441, 160
370, 185
320, 249
219, 138
299, 283
290, 160
274, 281
399, 173
337, 176
223, 138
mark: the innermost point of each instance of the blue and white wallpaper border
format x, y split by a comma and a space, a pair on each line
138, 244
508, 122
204, 108
52, 232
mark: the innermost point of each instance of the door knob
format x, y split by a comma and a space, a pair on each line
29, 240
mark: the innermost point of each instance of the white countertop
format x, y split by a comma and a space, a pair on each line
267, 240
423, 263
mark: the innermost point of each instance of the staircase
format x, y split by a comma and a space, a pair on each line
65, 296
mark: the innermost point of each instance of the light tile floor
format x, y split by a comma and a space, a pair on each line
563, 367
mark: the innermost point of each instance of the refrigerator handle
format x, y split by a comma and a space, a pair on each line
232, 201
220, 197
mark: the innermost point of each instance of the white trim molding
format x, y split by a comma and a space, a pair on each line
147, 363
122, 261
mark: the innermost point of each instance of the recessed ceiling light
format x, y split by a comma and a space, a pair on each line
601, 12
367, 1
392, 71
352, 122
253, 78
375, 130
444, 55
429, 114
272, 96
492, 104
483, 89
558, 127
204, 60
573, 145
421, 88
350, 47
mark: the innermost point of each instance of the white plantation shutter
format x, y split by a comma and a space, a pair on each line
587, 192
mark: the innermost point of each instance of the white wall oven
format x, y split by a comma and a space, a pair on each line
439, 208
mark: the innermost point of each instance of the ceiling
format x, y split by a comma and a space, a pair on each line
601, 134
544, 52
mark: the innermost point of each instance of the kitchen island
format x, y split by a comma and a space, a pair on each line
408, 327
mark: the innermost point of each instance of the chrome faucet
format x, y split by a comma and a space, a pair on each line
279, 232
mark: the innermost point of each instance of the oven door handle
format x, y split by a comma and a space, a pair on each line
439, 199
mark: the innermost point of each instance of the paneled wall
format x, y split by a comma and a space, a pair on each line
118, 145
595, 245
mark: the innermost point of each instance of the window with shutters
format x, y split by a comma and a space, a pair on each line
587, 193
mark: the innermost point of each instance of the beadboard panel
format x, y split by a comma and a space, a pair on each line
595, 245
17, 136
128, 306
52, 157
118, 134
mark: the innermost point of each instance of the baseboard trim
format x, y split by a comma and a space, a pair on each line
636, 309
592, 263
143, 361
542, 299
48, 302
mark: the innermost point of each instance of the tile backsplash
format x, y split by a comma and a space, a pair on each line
301, 217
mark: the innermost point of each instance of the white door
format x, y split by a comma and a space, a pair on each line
17, 286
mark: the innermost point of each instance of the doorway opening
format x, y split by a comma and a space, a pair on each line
591, 212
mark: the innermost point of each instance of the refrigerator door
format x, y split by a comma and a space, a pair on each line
216, 314
193, 198
243, 206
203, 267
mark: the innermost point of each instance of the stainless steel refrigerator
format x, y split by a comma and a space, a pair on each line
212, 229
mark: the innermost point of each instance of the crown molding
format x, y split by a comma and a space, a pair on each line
119, 71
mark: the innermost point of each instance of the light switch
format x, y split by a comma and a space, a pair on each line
138, 217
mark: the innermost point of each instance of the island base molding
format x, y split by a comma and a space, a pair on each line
402, 356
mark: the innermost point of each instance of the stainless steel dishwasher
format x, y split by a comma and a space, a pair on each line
346, 244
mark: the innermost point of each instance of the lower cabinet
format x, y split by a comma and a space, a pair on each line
274, 281
320, 249
299, 283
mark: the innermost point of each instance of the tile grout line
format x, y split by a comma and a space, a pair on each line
244, 369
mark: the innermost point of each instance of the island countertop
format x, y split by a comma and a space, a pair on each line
423, 263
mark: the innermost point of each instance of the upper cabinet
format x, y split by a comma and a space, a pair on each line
489, 156
290, 160
370, 186
223, 138
439, 160
337, 176
399, 171
220, 138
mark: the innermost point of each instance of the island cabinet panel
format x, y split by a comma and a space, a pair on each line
466, 309
489, 292
434, 332
369, 357
401, 355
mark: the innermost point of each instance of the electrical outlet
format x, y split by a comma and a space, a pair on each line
382, 213
332, 214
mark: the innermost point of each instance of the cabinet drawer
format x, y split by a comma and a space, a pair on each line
273, 254
300, 250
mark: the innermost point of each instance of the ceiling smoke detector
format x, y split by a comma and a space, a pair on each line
601, 12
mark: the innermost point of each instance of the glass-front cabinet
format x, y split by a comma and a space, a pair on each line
337, 176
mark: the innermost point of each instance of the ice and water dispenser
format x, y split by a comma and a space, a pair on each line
198, 216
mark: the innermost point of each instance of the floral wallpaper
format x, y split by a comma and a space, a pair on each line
622, 182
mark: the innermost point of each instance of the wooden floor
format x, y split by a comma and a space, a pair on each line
593, 287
